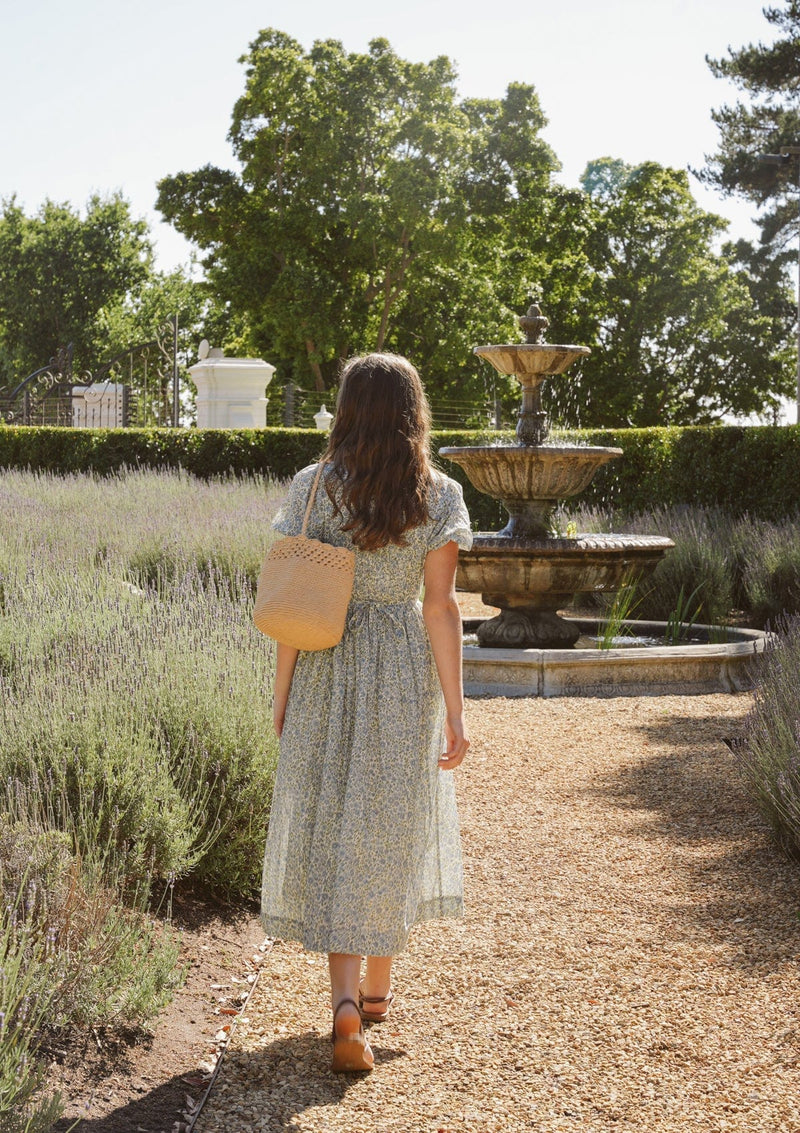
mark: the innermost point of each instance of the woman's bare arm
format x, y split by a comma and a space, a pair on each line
284, 671
443, 622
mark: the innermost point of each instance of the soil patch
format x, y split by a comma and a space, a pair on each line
148, 1081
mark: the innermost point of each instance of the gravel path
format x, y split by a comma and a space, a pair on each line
629, 960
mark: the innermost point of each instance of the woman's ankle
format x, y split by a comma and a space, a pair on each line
346, 1017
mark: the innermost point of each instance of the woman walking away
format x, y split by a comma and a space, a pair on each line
363, 837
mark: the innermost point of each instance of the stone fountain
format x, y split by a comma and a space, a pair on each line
526, 570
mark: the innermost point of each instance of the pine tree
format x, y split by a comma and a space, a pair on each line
769, 74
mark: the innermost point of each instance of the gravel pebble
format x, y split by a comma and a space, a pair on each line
628, 961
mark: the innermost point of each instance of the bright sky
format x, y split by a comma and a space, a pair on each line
99, 95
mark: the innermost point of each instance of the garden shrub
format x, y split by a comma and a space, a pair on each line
736, 563
90, 959
771, 571
25, 999
91, 705
738, 469
697, 565
136, 743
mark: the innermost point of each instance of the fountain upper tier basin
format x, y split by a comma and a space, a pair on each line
531, 362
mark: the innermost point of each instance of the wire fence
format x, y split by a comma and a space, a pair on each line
299, 407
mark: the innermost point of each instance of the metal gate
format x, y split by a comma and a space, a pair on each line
138, 387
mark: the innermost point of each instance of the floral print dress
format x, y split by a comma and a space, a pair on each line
363, 836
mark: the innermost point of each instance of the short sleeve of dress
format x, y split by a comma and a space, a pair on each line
289, 519
449, 517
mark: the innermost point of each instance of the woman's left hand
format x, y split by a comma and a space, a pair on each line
457, 744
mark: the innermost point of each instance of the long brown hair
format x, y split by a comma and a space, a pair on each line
378, 450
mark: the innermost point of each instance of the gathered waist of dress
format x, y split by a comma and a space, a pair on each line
384, 602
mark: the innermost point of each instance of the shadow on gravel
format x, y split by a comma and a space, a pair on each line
144, 1113
693, 793
279, 1083
740, 889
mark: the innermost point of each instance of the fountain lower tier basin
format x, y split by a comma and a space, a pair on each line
668, 670
545, 572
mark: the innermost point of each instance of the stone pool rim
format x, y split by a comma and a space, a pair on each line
661, 670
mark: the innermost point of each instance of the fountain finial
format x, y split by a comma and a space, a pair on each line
534, 324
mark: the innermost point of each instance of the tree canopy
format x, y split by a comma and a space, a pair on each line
680, 333
59, 271
373, 209
84, 280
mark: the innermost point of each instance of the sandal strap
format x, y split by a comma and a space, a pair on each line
341, 1004
377, 998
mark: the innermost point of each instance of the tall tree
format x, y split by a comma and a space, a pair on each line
680, 333
59, 273
769, 117
370, 211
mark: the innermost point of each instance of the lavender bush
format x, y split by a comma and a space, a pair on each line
24, 1001
732, 563
768, 753
107, 686
147, 524
769, 557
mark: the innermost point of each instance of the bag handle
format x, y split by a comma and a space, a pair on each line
311, 496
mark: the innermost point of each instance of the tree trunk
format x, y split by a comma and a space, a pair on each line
319, 381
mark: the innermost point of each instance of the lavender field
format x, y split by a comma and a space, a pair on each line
136, 743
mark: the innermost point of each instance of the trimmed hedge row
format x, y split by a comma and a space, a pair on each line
739, 468
752, 469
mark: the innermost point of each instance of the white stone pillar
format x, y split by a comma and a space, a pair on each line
99, 406
231, 392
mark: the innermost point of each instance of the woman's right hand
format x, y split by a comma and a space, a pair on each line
278, 715
455, 733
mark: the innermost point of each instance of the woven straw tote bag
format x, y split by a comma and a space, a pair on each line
304, 588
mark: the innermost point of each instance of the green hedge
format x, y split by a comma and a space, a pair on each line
741, 469
755, 470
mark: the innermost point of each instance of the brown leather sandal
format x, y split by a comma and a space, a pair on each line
374, 1016
351, 1053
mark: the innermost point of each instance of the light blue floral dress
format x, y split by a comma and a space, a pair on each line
363, 836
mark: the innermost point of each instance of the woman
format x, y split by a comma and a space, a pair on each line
363, 837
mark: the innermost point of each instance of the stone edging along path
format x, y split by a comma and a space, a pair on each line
628, 961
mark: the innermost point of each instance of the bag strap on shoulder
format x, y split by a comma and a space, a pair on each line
311, 496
